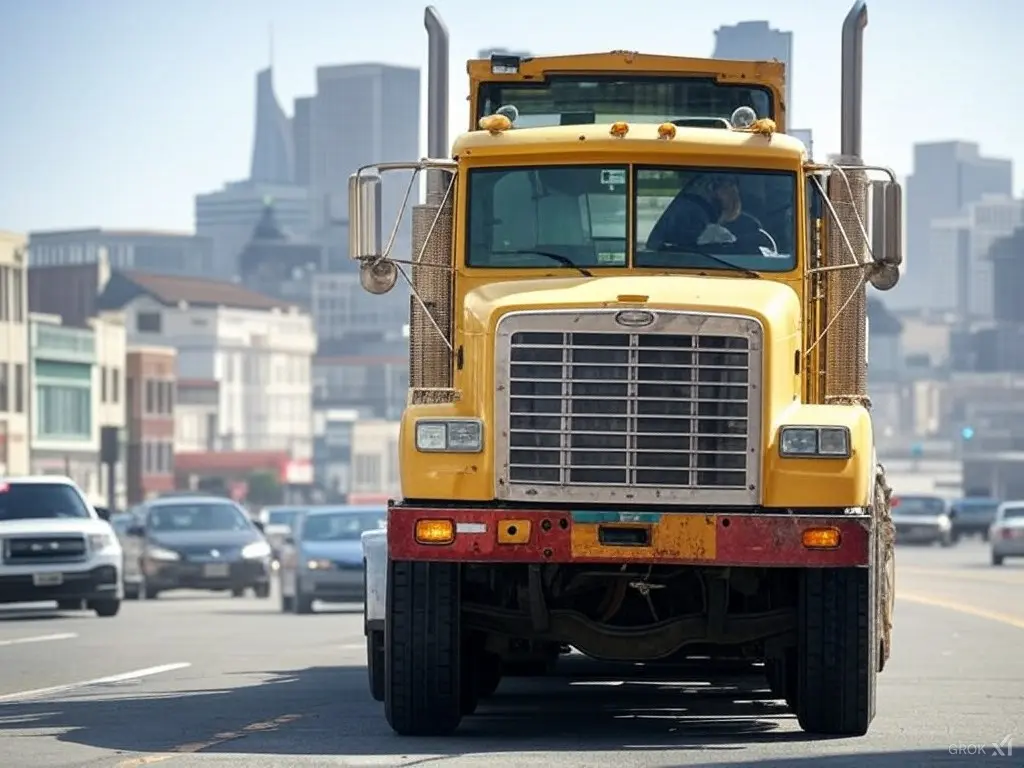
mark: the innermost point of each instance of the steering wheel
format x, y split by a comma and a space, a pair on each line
656, 240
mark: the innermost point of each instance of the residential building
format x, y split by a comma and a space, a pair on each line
375, 458
150, 388
258, 348
196, 426
67, 408
228, 216
14, 356
171, 253
111, 395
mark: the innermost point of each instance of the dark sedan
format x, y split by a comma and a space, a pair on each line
206, 543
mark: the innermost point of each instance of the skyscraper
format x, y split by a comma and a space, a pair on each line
302, 137
757, 41
362, 113
273, 153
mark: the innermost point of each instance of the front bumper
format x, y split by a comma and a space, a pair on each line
920, 533
337, 585
101, 582
755, 539
236, 574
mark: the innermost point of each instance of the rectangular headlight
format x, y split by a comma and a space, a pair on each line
826, 442
450, 436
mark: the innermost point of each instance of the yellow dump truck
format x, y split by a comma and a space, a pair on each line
637, 423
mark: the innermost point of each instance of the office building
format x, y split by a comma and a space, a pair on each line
168, 253
757, 41
302, 138
273, 150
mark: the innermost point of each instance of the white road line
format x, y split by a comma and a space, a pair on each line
133, 675
39, 639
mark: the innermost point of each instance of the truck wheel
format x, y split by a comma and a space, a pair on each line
375, 663
105, 608
422, 642
838, 644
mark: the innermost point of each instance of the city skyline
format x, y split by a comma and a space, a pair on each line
208, 139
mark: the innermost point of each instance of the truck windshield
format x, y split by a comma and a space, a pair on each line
548, 216
579, 100
707, 218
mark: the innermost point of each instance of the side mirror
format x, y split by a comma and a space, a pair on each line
259, 525
886, 234
103, 513
136, 530
364, 203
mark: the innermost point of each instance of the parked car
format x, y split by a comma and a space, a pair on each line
922, 519
1007, 533
54, 546
973, 516
323, 557
200, 542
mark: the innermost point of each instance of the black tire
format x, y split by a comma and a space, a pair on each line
287, 603
261, 591
375, 663
838, 646
997, 560
301, 604
238, 592
146, 592
422, 689
106, 607
131, 591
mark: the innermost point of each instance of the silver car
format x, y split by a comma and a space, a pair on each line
922, 519
323, 558
1007, 532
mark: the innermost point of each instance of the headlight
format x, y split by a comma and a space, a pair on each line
944, 522
98, 542
159, 553
828, 442
255, 550
320, 565
454, 436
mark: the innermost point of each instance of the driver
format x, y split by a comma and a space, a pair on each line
707, 211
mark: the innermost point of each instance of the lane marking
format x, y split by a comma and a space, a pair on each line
970, 610
1008, 577
39, 639
217, 739
135, 674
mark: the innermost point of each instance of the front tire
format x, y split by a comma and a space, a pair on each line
105, 608
422, 642
997, 559
838, 647
261, 591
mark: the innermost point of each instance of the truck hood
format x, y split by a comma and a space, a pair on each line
775, 304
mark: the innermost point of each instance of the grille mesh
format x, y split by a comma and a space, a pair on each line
632, 411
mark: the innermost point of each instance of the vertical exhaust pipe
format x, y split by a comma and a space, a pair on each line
853, 81
437, 99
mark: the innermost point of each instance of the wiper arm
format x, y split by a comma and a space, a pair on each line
683, 250
560, 258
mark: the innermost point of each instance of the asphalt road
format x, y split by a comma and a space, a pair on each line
210, 681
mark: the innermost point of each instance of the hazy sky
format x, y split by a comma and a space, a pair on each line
119, 111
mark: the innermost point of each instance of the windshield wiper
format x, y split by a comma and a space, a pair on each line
687, 250
561, 259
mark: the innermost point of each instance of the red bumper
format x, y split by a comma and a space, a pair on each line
558, 536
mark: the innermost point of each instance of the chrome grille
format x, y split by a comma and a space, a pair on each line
44, 550
592, 411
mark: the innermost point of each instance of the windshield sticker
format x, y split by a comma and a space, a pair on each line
613, 177
611, 257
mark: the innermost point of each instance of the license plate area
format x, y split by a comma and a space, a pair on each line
649, 537
47, 579
216, 570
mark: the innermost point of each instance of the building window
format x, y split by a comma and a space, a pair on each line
19, 296
4, 387
367, 472
64, 412
148, 322
115, 385
161, 406
150, 396
169, 397
19, 388
103, 383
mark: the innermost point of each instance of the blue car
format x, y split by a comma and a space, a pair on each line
322, 558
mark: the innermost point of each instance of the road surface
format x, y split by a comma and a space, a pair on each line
198, 680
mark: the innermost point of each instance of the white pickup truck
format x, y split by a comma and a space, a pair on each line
55, 547
375, 575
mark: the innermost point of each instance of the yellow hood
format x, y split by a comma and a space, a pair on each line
775, 304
